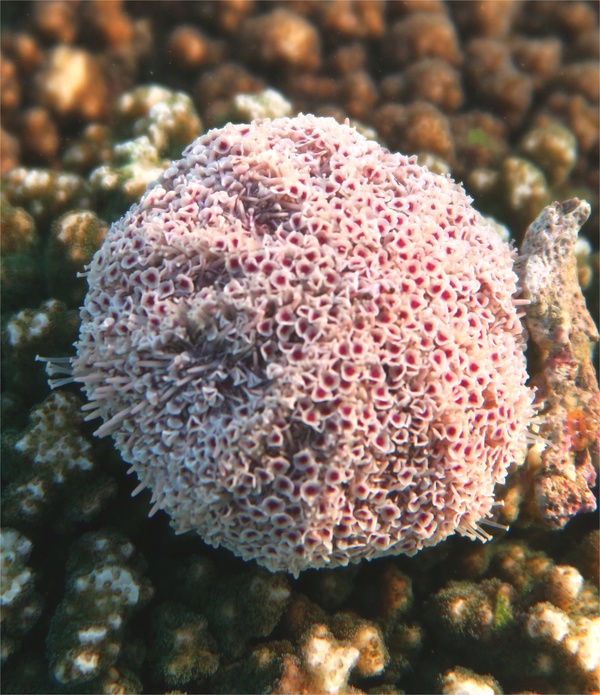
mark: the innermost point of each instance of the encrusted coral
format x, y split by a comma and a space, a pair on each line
245, 607
468, 613
523, 191
327, 662
184, 650
18, 228
72, 84
560, 638
20, 605
308, 347
241, 608
45, 194
56, 468
266, 104
367, 638
281, 39
39, 135
21, 272
105, 587
422, 35
50, 328
156, 124
329, 650
543, 615
553, 148
462, 681
53, 434
74, 239
31, 330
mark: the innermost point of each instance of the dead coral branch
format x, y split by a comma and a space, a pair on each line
562, 475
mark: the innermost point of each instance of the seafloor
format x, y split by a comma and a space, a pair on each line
97, 98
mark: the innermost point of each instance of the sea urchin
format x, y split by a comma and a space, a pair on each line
307, 347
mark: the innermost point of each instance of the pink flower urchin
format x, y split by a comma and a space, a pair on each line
307, 347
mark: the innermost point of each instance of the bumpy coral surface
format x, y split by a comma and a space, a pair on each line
307, 347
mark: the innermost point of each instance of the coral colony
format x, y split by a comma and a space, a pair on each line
307, 347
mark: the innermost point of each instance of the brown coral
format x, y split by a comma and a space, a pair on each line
422, 35
281, 39
72, 84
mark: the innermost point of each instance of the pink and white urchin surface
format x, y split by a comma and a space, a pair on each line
307, 347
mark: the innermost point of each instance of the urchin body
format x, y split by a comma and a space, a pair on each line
307, 347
